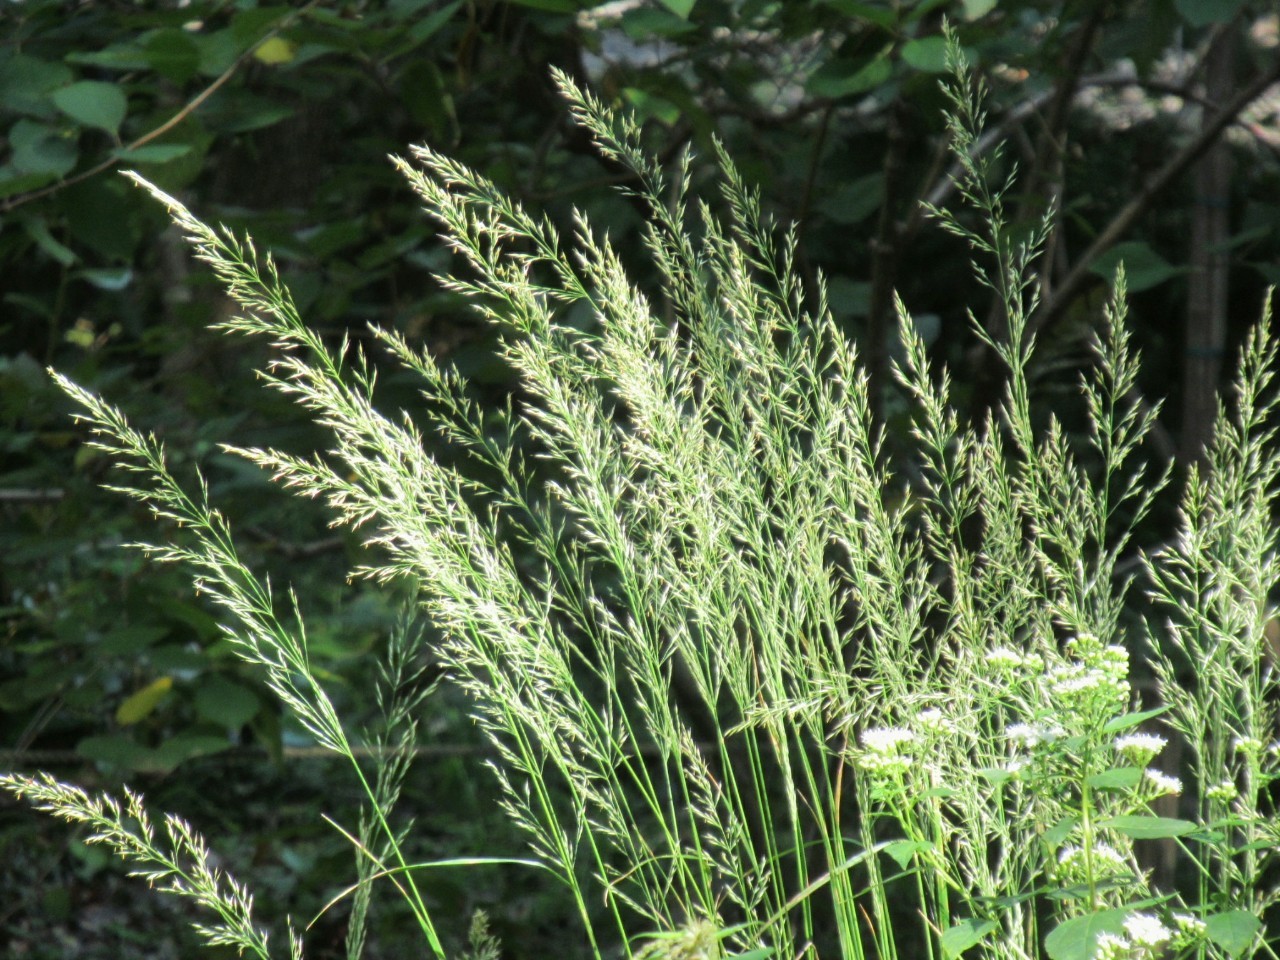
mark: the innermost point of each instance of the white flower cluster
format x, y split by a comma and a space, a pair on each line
882, 750
1144, 934
1160, 784
1225, 791
932, 721
1140, 748
1248, 746
1106, 861
1030, 735
1006, 660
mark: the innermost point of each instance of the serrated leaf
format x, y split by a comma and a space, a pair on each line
1116, 724
1140, 827
92, 103
1233, 931
956, 940
137, 706
1076, 939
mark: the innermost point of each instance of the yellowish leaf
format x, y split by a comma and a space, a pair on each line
275, 50
138, 705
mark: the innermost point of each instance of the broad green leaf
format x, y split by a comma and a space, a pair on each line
1233, 931
681, 8
904, 851
173, 54
183, 747
959, 938
428, 27
131, 640
92, 103
995, 775
13, 182
1143, 267
976, 9
118, 750
252, 24
139, 705
927, 54
26, 82
1141, 827
645, 23
41, 149
1121, 778
844, 78
878, 14
1075, 939
651, 105
1116, 724
225, 702
154, 153
854, 200
118, 56
1056, 835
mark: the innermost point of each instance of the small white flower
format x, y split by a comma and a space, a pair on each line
1225, 791
886, 741
1146, 930
1190, 928
1015, 767
1032, 735
1249, 746
1162, 784
932, 721
1003, 658
1104, 856
1111, 947
1140, 746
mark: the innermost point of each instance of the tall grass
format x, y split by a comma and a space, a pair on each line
747, 687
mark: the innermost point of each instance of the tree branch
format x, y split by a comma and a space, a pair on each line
1074, 284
